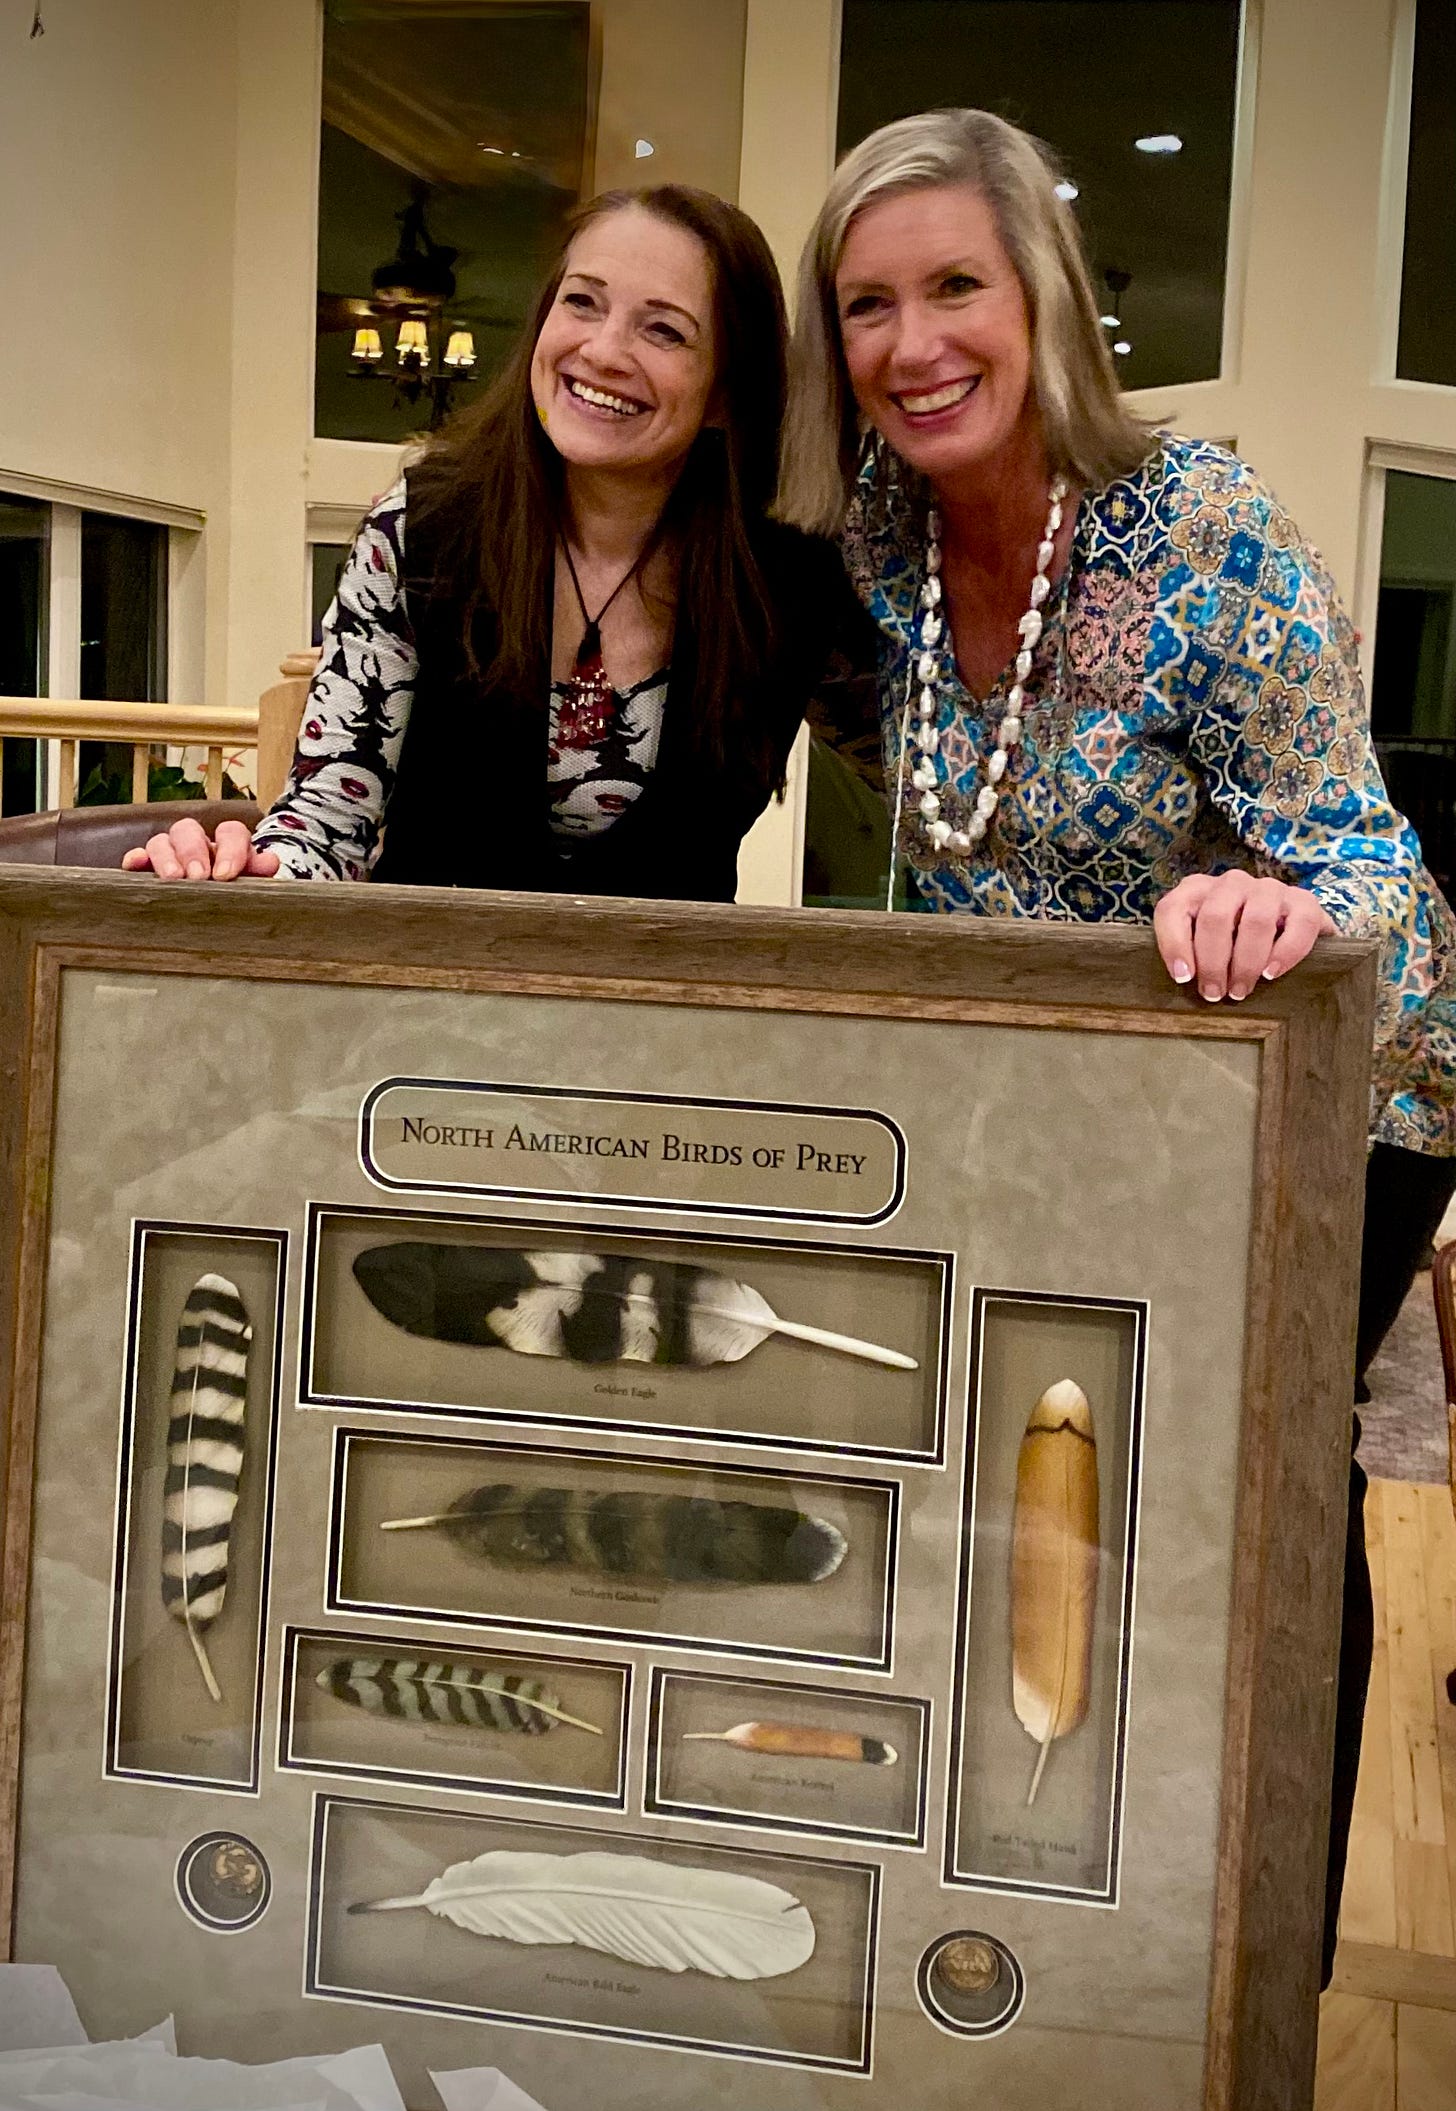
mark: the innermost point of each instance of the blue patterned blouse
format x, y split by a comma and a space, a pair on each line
1194, 704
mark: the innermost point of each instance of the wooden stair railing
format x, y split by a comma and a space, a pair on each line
270, 726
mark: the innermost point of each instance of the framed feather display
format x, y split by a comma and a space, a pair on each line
1051, 1491
193, 1503
783, 1474
714, 1338
765, 1957
548, 1729
539, 1539
815, 1760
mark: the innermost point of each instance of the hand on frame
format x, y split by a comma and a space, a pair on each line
1229, 930
185, 852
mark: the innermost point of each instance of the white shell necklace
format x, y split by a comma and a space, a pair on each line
925, 673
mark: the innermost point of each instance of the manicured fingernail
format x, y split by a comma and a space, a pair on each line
1238, 993
1272, 974
1210, 991
1180, 971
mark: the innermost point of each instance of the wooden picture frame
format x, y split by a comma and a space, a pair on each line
942, 1022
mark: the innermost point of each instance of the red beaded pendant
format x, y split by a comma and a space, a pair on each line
584, 717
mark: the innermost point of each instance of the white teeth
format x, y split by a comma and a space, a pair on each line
599, 396
938, 399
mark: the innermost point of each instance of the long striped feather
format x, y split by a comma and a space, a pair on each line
586, 1307
438, 1690
621, 1532
204, 1459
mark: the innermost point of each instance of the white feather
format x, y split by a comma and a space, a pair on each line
662, 1914
532, 1325
728, 1320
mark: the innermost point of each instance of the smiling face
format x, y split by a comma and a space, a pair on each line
623, 371
936, 336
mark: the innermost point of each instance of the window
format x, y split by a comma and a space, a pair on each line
123, 609
1093, 78
326, 562
24, 531
88, 592
1426, 348
454, 144
458, 135
1413, 691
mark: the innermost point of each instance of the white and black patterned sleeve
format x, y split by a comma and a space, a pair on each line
326, 824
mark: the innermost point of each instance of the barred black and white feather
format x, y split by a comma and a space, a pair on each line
204, 1458
586, 1307
440, 1690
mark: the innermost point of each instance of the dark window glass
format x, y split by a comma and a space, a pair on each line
1427, 345
24, 533
123, 638
1091, 77
326, 561
454, 143
123, 609
1413, 694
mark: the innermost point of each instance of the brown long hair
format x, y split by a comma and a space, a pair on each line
492, 484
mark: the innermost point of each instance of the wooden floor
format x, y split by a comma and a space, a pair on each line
1388, 2025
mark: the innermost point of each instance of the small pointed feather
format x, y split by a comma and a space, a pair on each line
800, 1741
438, 1690
662, 1914
205, 1449
589, 1308
1055, 1562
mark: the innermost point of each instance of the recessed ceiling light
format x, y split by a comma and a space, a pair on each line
1160, 143
1122, 348
643, 149
1110, 322
1067, 192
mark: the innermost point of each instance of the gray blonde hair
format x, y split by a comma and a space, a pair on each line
1091, 436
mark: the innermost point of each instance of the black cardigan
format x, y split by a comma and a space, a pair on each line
470, 808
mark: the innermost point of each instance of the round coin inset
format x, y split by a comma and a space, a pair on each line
971, 1984
223, 1881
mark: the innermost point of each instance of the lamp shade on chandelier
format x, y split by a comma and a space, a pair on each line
432, 357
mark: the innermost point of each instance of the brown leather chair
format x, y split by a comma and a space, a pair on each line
96, 836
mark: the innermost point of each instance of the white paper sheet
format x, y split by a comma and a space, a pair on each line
147, 2078
363, 2074
106, 2103
36, 2008
482, 2089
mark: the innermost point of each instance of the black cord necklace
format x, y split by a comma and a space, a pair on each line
590, 702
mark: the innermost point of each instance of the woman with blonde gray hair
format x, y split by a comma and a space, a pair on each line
1116, 683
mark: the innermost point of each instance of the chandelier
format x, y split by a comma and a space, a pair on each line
432, 357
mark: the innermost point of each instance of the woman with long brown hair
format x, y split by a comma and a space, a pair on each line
569, 650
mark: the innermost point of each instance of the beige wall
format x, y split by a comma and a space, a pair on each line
275, 274
672, 74
117, 155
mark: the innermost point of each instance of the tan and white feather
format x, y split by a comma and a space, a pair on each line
1055, 1562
